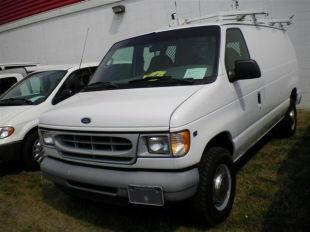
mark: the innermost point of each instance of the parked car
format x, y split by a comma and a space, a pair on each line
21, 106
8, 80
167, 114
10, 74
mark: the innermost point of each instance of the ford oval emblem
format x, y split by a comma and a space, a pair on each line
86, 120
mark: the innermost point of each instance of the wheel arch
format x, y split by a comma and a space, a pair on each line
223, 140
294, 95
34, 129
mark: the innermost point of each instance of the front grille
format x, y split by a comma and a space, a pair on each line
98, 148
97, 143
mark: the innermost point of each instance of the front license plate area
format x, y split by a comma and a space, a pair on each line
142, 195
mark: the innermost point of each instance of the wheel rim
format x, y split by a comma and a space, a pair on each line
37, 151
292, 119
221, 187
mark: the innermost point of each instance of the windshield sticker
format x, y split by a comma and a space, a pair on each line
196, 73
155, 74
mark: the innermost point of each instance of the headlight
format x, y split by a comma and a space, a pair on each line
6, 132
158, 144
47, 138
180, 143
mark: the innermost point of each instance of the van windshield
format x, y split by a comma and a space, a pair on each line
33, 90
177, 57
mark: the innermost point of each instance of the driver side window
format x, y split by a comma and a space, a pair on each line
74, 84
236, 48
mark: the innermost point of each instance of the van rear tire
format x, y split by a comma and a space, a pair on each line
288, 125
216, 191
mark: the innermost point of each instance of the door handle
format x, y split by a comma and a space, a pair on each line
259, 98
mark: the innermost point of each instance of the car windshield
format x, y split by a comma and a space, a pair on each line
178, 57
33, 90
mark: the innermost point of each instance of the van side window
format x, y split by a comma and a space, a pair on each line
6, 83
236, 48
74, 84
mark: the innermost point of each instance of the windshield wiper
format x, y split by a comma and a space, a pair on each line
162, 79
12, 99
100, 85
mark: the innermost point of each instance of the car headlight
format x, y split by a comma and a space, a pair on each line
158, 144
47, 138
6, 132
180, 143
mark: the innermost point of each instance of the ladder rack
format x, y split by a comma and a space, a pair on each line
243, 16
280, 22
238, 15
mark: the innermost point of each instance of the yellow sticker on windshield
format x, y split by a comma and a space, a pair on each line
155, 74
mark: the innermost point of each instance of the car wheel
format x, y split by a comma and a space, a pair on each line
288, 125
216, 192
32, 149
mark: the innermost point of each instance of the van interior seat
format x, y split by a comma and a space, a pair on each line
159, 62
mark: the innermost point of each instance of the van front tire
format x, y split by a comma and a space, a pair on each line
216, 191
29, 147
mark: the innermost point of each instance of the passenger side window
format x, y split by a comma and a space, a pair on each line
120, 65
236, 48
122, 56
74, 84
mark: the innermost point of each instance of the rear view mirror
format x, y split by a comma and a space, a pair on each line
244, 69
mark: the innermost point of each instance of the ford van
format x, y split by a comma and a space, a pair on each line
167, 114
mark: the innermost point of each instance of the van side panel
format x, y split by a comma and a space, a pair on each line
275, 55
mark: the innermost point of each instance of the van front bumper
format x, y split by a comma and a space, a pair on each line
10, 153
176, 185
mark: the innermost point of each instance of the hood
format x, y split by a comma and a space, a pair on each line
126, 108
7, 113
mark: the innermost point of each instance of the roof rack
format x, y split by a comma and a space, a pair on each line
243, 16
280, 22
237, 15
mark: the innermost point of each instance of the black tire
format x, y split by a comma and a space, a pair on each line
203, 203
287, 126
27, 153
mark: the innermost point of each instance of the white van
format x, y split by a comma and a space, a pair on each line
168, 113
21, 106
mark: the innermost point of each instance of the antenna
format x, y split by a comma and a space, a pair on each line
175, 16
84, 48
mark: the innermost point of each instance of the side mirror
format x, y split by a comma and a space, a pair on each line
63, 96
244, 69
